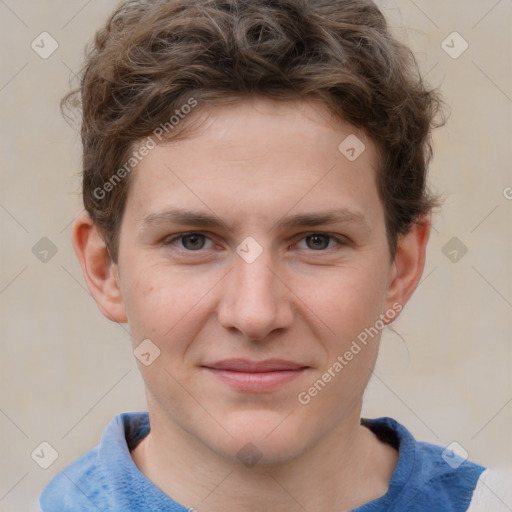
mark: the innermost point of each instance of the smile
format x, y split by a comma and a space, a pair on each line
256, 377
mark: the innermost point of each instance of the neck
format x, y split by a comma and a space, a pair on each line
342, 470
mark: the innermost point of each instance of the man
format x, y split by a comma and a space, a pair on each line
254, 180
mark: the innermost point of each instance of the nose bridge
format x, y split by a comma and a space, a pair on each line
255, 277
254, 301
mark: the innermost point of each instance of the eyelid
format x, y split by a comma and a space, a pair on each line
168, 240
324, 233
341, 240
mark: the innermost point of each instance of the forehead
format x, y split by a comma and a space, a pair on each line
255, 159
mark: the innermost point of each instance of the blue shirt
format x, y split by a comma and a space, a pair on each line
427, 477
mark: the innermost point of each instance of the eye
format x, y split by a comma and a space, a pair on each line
190, 241
321, 241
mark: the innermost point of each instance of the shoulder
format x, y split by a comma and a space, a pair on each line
76, 486
442, 479
427, 477
98, 479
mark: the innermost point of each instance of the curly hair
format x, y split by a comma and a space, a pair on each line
155, 59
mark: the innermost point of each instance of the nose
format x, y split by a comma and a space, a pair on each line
255, 299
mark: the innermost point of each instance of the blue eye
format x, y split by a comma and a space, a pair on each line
190, 241
320, 241
196, 241
193, 242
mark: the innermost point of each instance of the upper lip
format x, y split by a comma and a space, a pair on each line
248, 366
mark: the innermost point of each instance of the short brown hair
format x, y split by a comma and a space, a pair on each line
154, 56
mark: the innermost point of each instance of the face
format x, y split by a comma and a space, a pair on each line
253, 254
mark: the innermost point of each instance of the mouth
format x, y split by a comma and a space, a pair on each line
256, 376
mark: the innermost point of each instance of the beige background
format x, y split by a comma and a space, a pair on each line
65, 370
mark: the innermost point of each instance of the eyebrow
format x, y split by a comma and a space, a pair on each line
203, 219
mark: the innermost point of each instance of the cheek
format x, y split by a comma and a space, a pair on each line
351, 306
351, 300
162, 303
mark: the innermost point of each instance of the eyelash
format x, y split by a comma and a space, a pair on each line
340, 240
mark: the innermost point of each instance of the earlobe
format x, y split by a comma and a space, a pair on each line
100, 273
409, 262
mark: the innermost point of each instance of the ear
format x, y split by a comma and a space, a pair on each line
100, 273
408, 264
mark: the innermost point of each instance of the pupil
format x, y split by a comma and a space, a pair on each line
197, 241
317, 241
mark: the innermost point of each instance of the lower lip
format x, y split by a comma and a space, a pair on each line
257, 382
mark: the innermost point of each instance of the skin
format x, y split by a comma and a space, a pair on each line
251, 164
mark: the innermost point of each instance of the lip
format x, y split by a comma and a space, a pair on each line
256, 376
248, 366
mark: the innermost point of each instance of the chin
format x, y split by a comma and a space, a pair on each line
262, 438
